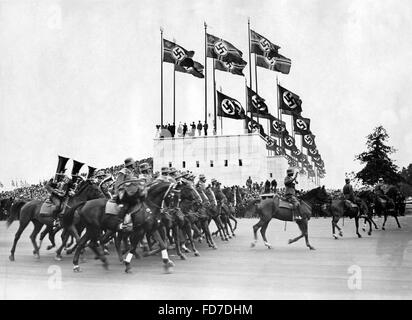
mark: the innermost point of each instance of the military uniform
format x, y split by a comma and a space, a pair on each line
290, 193
58, 192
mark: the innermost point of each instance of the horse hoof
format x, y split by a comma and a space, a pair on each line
359, 236
341, 234
49, 247
369, 233
58, 258
11, 257
183, 257
128, 270
233, 235
76, 269
214, 247
383, 228
253, 244
105, 265
37, 255
106, 252
290, 241
197, 254
311, 248
335, 236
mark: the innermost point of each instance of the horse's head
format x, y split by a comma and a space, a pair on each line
88, 191
317, 195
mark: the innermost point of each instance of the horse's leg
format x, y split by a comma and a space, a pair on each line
208, 235
397, 221
37, 227
384, 220
80, 245
306, 233
263, 233
177, 242
43, 234
256, 227
65, 237
52, 235
335, 220
234, 219
357, 226
187, 227
299, 223
117, 243
167, 263
23, 224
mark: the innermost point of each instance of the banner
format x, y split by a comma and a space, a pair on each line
254, 126
277, 63
196, 70
223, 50
173, 53
301, 125
229, 67
257, 105
288, 142
277, 126
308, 141
290, 103
229, 107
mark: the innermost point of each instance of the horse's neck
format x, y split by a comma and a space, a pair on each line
157, 198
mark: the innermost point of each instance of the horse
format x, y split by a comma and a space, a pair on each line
5, 206
369, 198
273, 208
338, 208
395, 205
30, 212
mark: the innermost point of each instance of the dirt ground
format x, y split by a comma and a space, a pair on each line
373, 267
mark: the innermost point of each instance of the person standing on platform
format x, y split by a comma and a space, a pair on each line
184, 129
199, 128
205, 127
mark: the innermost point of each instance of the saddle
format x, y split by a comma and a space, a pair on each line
267, 196
47, 208
112, 208
285, 204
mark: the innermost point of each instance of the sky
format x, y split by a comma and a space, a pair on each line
81, 78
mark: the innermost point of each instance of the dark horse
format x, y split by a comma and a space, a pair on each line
30, 211
269, 208
146, 219
338, 209
394, 205
5, 206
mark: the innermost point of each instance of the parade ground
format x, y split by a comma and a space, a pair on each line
373, 267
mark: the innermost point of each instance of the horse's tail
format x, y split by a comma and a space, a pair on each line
14, 211
69, 216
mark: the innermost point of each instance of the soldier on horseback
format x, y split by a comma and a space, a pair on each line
290, 192
59, 188
145, 172
349, 195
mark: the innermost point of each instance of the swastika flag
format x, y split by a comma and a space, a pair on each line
230, 67
196, 70
223, 50
257, 105
290, 103
229, 107
301, 125
173, 53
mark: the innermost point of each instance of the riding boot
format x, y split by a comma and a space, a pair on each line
298, 214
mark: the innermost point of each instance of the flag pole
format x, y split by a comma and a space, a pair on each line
205, 72
256, 87
277, 104
161, 77
250, 65
214, 100
247, 105
221, 118
174, 95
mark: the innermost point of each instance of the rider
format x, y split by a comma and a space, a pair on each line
58, 189
145, 172
127, 173
290, 192
379, 189
348, 193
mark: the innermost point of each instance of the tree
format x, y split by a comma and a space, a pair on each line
406, 173
376, 158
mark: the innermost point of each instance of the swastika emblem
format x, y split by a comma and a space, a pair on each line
288, 141
230, 107
220, 48
256, 101
301, 124
264, 44
271, 61
228, 65
178, 53
289, 100
277, 126
308, 139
